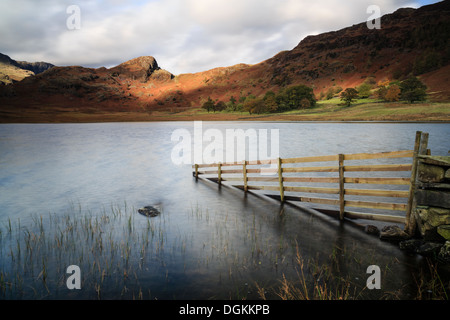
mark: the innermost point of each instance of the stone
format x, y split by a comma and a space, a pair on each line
444, 252
411, 245
429, 249
443, 161
149, 211
429, 233
444, 231
428, 219
434, 216
447, 174
393, 233
441, 186
371, 229
435, 198
161, 75
430, 173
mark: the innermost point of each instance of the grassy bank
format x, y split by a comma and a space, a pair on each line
326, 110
361, 110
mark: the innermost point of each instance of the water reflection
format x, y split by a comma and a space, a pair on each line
209, 241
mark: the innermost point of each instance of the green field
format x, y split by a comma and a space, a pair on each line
334, 110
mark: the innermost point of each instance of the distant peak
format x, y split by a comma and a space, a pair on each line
145, 62
142, 68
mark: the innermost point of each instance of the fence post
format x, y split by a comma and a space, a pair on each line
196, 171
341, 187
280, 180
424, 144
245, 174
219, 174
410, 221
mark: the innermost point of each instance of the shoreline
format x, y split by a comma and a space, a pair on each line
371, 112
237, 120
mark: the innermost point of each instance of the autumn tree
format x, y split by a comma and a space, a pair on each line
270, 101
305, 104
392, 93
253, 105
382, 88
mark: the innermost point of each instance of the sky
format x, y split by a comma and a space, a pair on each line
184, 36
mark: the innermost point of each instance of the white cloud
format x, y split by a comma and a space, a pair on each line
183, 35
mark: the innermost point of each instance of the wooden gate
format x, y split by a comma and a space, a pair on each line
343, 179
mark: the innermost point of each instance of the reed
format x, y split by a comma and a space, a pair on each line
48, 245
123, 255
430, 285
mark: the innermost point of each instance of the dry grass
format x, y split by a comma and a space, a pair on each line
316, 281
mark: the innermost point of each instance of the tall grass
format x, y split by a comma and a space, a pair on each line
123, 255
35, 257
322, 281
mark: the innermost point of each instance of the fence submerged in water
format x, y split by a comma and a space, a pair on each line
286, 176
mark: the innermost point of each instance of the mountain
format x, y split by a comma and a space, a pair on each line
35, 67
10, 72
14, 71
410, 41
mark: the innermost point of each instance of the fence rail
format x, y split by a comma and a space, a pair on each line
285, 171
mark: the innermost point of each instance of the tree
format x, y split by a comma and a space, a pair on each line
270, 101
428, 61
392, 93
305, 104
412, 89
349, 95
209, 104
259, 106
383, 83
220, 106
338, 89
232, 103
330, 93
252, 105
291, 97
364, 90
381, 93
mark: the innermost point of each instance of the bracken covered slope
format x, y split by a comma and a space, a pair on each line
410, 41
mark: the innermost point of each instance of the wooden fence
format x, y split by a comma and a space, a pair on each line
283, 177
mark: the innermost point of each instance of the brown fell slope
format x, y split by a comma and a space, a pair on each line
409, 41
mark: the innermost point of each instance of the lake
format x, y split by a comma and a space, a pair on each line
206, 243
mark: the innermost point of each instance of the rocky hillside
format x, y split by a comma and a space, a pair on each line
410, 41
13, 71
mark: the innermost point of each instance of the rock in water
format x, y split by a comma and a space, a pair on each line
370, 229
149, 211
393, 233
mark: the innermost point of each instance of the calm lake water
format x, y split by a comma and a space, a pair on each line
212, 243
